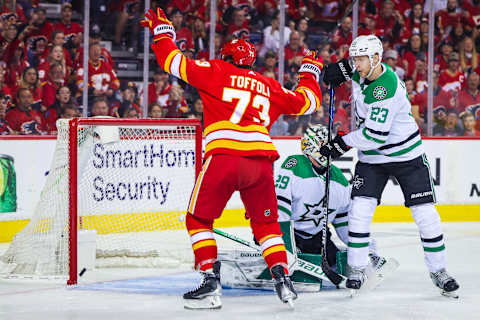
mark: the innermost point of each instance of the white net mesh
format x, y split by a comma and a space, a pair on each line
134, 183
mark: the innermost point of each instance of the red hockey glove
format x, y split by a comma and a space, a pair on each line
158, 24
311, 64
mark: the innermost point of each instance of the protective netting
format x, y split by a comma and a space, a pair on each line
134, 183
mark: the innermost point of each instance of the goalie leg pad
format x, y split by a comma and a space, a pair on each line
273, 248
203, 242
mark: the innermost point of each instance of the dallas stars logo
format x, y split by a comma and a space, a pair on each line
379, 92
314, 212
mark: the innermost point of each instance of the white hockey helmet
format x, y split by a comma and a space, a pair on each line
314, 138
367, 46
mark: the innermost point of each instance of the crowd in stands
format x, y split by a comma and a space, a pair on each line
41, 67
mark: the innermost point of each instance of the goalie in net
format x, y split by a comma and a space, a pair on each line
240, 106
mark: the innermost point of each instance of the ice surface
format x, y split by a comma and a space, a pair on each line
156, 294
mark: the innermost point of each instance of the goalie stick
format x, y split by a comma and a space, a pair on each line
302, 265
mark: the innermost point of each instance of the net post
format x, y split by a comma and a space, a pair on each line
72, 229
198, 148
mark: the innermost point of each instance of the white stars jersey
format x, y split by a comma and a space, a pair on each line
386, 130
301, 193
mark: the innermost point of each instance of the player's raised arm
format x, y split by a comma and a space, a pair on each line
169, 57
307, 97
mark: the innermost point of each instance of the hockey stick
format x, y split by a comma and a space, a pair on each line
334, 277
304, 266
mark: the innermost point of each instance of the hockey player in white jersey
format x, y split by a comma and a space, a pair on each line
300, 188
389, 144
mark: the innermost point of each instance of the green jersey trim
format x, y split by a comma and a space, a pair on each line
281, 208
382, 88
301, 167
394, 154
364, 131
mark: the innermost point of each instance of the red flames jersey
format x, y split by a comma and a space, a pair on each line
240, 105
70, 30
451, 82
31, 122
466, 101
100, 77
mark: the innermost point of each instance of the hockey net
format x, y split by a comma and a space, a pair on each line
129, 180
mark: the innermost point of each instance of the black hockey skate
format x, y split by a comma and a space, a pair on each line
283, 285
207, 295
447, 285
356, 278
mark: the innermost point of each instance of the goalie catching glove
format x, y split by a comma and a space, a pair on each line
159, 25
337, 73
335, 148
311, 64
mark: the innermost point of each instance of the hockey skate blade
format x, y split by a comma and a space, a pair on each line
291, 304
451, 295
207, 303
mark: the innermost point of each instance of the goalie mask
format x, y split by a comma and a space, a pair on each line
313, 139
241, 52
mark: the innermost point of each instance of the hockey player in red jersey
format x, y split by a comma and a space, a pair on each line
240, 106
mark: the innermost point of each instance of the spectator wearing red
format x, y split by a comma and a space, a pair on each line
184, 38
453, 15
102, 80
23, 119
469, 96
415, 18
415, 46
58, 39
343, 96
392, 23
30, 81
449, 127
41, 27
296, 9
15, 68
420, 74
177, 106
294, 48
468, 55
343, 35
19, 14
469, 124
326, 13
105, 55
10, 41
159, 88
4, 128
452, 79
456, 35
369, 26
441, 60
472, 8
63, 99
442, 100
129, 98
36, 51
238, 27
5, 90
55, 80
56, 56
73, 31
187, 6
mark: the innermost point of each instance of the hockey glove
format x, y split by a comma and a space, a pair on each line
335, 148
158, 24
337, 73
311, 64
